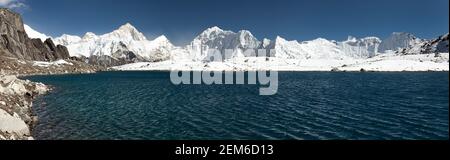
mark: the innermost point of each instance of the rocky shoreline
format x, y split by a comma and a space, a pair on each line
21, 56
16, 100
16, 94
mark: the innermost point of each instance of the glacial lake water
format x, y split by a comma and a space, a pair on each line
309, 105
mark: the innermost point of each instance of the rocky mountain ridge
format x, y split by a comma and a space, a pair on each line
438, 45
14, 41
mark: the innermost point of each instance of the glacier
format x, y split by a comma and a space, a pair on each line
128, 49
398, 41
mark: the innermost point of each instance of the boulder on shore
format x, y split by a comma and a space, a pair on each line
15, 107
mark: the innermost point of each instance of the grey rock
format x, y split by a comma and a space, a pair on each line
438, 45
442, 44
335, 70
14, 42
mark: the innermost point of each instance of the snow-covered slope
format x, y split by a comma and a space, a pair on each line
399, 40
66, 39
360, 48
398, 63
316, 55
325, 49
315, 49
216, 38
127, 45
439, 45
385, 62
34, 34
118, 44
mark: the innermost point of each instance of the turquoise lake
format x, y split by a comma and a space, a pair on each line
308, 105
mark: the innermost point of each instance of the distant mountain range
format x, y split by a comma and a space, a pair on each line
128, 45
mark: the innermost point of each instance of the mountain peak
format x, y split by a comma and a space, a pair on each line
215, 28
351, 39
279, 38
266, 41
128, 32
214, 31
89, 36
320, 39
245, 32
67, 39
162, 38
128, 27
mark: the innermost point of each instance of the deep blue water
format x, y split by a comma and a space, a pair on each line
309, 105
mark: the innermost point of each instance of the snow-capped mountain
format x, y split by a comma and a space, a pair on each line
267, 44
121, 44
35, 34
216, 38
439, 45
128, 45
399, 40
66, 39
316, 49
360, 48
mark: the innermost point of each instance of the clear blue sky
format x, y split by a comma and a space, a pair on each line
182, 20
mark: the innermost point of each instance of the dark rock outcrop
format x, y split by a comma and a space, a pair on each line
109, 61
439, 45
14, 41
442, 44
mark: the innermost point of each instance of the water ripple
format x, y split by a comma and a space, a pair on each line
145, 105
